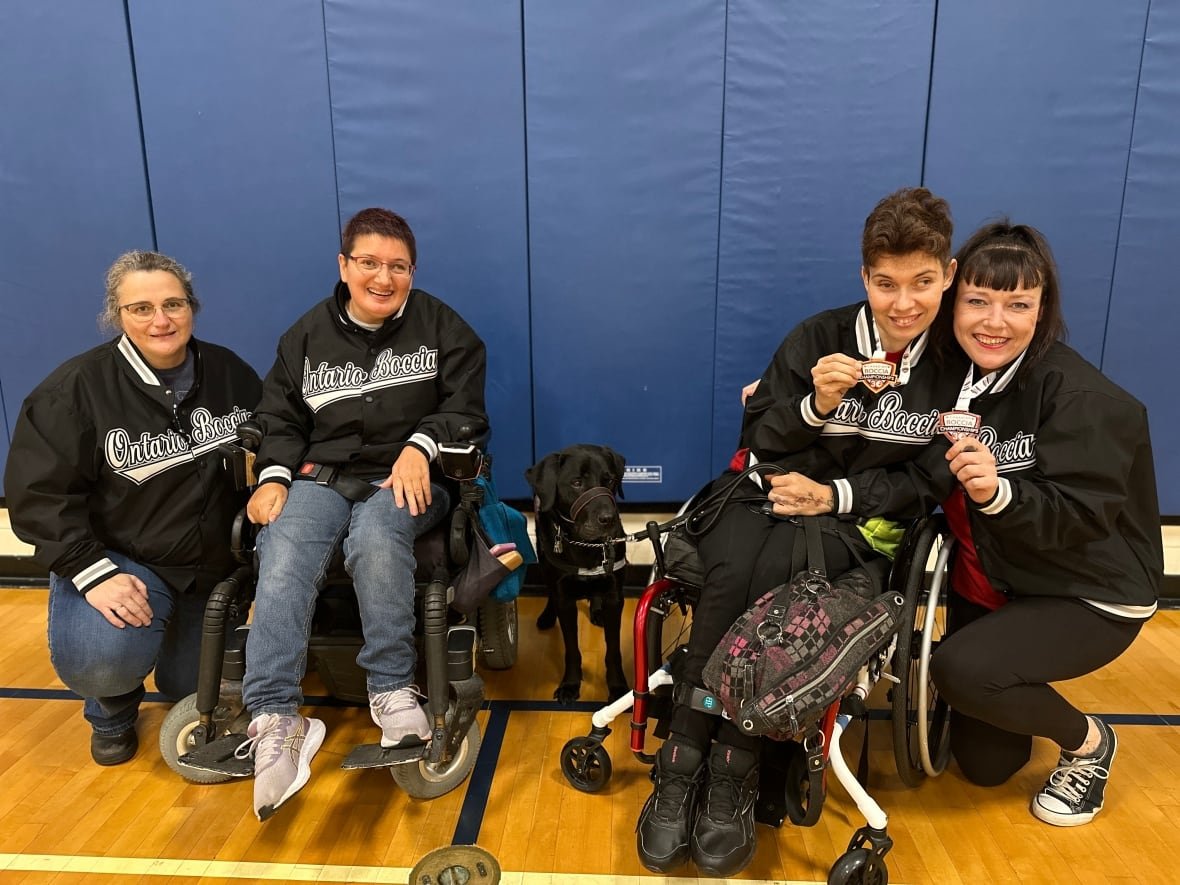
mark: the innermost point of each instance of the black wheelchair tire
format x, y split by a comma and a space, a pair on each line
904, 716
858, 867
498, 634
586, 764
175, 740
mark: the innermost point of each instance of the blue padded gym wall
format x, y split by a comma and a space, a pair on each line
1030, 115
624, 105
823, 116
239, 154
1140, 349
428, 116
72, 190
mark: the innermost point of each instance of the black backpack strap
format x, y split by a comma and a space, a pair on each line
815, 549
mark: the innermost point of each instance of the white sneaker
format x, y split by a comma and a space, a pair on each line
282, 747
400, 717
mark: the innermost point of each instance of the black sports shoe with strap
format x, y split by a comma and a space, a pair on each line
661, 836
723, 840
1075, 790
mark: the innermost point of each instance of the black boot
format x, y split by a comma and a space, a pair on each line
113, 749
661, 836
723, 840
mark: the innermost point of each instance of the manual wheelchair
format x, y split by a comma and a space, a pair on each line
792, 782
201, 732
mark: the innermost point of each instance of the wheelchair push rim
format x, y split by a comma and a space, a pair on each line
920, 717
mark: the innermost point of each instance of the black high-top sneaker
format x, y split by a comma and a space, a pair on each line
1074, 792
723, 840
661, 836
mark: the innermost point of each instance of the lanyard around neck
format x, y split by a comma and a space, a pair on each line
973, 389
879, 352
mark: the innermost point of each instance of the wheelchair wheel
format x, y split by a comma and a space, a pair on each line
921, 737
497, 634
585, 764
176, 739
423, 780
858, 866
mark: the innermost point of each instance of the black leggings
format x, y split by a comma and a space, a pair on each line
745, 554
994, 669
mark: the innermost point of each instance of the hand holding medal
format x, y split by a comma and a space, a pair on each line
974, 466
833, 376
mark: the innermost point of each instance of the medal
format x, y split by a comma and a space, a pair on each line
959, 423
877, 374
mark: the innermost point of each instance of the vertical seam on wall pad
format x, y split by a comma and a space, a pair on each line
147, 179
1118, 231
331, 114
929, 93
528, 238
717, 256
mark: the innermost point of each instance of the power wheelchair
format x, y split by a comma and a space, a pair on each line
200, 734
793, 783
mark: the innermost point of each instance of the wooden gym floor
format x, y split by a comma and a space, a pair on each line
65, 820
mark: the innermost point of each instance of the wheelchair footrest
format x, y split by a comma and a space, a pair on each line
377, 756
218, 756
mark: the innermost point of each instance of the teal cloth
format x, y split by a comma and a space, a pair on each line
502, 524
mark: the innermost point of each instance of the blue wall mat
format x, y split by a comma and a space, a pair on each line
72, 188
1030, 115
239, 153
624, 147
1141, 334
823, 117
428, 115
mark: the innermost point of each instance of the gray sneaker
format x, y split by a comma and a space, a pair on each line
400, 717
282, 747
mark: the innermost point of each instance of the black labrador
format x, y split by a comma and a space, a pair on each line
575, 494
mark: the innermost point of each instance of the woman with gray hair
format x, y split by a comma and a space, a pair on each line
113, 476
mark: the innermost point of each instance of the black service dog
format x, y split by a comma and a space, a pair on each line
575, 494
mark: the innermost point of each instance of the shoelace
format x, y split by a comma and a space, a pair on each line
722, 799
1072, 781
263, 751
670, 793
389, 702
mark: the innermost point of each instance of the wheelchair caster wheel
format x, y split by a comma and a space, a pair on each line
176, 739
860, 866
424, 780
585, 764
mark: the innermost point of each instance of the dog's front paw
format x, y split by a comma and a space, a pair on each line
567, 693
546, 620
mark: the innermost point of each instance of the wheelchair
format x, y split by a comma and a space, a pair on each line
200, 734
794, 787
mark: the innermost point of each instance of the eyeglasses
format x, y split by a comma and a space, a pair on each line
145, 310
371, 265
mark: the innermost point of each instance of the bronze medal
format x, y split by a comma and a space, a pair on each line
876, 375
958, 423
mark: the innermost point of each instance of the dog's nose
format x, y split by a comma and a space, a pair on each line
606, 519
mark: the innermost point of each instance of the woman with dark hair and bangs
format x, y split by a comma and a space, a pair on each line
1052, 500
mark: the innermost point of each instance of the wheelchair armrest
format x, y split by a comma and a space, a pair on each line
238, 456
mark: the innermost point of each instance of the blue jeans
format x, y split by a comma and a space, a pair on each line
107, 665
294, 554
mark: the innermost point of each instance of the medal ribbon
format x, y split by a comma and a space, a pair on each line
970, 391
879, 352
